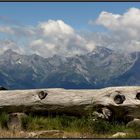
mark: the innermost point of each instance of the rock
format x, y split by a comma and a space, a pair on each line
64, 137
14, 122
31, 135
119, 134
51, 133
134, 124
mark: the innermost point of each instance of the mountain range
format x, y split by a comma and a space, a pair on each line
99, 68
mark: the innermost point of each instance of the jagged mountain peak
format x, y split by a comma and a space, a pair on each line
10, 52
102, 49
99, 50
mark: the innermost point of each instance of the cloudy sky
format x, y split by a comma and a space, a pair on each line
69, 28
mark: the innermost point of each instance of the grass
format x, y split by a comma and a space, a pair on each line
73, 127
73, 124
32, 123
3, 120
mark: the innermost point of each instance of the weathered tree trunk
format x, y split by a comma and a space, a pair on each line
108, 102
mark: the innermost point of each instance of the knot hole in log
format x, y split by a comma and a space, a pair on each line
138, 96
119, 99
42, 94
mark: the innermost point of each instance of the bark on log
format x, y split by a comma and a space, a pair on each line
120, 101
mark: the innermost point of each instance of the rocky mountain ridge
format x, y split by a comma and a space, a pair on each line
97, 69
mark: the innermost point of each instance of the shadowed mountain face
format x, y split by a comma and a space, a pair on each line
99, 68
131, 76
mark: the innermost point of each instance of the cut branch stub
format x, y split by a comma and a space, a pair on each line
42, 94
106, 112
138, 96
119, 99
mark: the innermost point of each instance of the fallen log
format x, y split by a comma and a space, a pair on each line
120, 102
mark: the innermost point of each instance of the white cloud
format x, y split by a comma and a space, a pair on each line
6, 29
53, 37
55, 28
127, 24
26, 31
57, 37
17, 31
124, 30
9, 44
